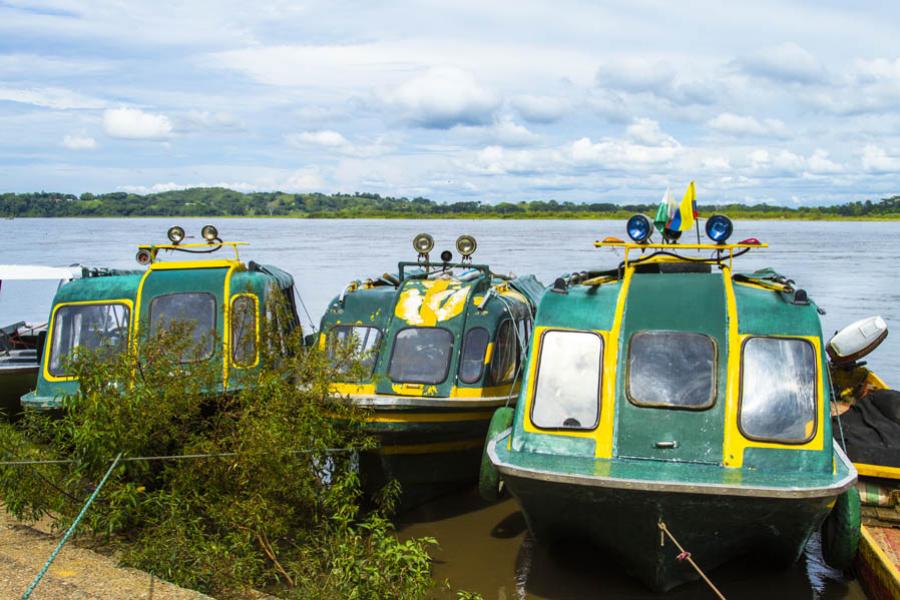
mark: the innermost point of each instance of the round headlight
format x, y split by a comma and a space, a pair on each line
176, 234
446, 256
719, 228
639, 228
209, 233
466, 245
144, 257
423, 243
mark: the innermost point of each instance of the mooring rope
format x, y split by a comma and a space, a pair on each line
685, 555
70, 531
67, 461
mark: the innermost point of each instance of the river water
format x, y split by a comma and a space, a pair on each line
848, 268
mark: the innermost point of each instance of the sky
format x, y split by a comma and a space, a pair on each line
794, 103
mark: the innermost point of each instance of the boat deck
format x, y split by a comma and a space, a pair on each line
878, 561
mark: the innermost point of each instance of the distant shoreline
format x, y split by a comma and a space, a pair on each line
566, 216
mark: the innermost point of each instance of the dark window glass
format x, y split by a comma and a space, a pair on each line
365, 342
421, 355
778, 390
196, 310
672, 369
92, 326
503, 362
243, 331
567, 391
472, 363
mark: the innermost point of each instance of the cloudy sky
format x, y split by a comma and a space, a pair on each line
788, 102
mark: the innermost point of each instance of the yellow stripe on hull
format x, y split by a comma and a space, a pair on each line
429, 417
878, 572
432, 448
877, 471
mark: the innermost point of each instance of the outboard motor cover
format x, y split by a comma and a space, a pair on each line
857, 340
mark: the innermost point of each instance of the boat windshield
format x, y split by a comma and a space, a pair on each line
672, 369
471, 364
504, 361
244, 331
365, 341
567, 391
195, 310
778, 390
101, 326
421, 355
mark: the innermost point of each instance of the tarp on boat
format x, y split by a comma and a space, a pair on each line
872, 429
37, 272
530, 287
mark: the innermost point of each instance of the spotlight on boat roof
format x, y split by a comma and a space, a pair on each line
446, 256
719, 228
423, 243
466, 245
639, 228
144, 257
209, 233
175, 234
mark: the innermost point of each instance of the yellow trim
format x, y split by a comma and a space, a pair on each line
728, 249
755, 286
488, 353
155, 248
734, 443
877, 471
138, 301
48, 346
256, 319
879, 564
368, 389
606, 431
403, 417
432, 448
226, 325
346, 389
220, 263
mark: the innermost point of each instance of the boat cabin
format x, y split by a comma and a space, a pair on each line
222, 301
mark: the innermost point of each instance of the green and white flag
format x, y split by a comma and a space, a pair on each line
664, 212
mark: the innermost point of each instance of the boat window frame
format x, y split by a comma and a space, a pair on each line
462, 353
515, 349
351, 327
537, 373
215, 321
817, 373
256, 330
714, 386
446, 368
49, 375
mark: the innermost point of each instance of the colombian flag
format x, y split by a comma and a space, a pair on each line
682, 218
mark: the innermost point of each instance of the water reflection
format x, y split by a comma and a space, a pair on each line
486, 548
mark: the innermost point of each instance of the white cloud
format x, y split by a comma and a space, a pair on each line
540, 109
738, 126
303, 180
215, 120
647, 132
820, 164
50, 97
786, 62
336, 142
876, 160
327, 138
635, 74
135, 124
441, 98
79, 142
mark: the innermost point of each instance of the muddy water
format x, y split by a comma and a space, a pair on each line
486, 548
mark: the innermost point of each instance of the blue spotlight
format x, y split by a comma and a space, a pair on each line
639, 228
719, 228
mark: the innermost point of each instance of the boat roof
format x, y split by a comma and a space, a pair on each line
39, 272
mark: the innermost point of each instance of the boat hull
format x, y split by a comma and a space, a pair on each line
430, 447
16, 380
619, 507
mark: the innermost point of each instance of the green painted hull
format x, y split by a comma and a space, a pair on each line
427, 459
619, 509
15, 382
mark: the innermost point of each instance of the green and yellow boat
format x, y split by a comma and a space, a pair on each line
442, 345
669, 399
224, 300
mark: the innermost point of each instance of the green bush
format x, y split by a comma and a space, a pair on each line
276, 507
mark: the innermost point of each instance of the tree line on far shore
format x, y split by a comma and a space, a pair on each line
221, 202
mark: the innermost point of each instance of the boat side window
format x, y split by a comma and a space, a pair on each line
194, 310
778, 390
365, 342
421, 355
672, 369
503, 362
101, 327
244, 326
471, 364
567, 389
